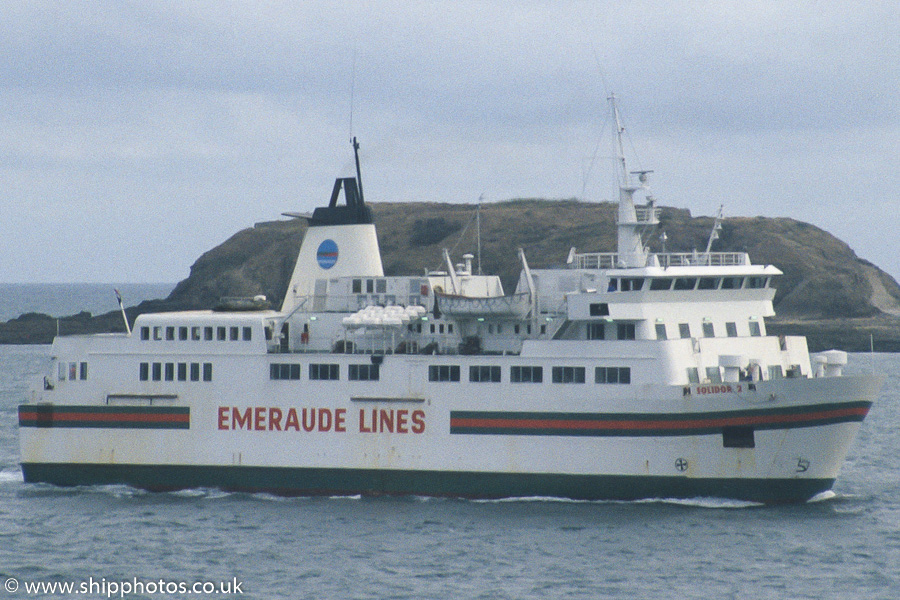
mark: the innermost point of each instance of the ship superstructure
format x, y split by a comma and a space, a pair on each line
624, 375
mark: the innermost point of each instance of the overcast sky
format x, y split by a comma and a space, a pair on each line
134, 136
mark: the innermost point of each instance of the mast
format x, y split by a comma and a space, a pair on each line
631, 222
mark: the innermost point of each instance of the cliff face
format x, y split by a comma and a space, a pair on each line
823, 282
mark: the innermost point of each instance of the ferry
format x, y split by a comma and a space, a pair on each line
620, 376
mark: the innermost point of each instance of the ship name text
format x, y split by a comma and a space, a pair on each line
273, 418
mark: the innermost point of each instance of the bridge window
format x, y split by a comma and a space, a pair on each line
757, 282
708, 283
685, 283
714, 374
598, 309
170, 333
661, 331
754, 328
208, 334
182, 333
195, 334
684, 330
145, 333
221, 334
659, 284
284, 371
233, 333
708, 329
731, 329
732, 283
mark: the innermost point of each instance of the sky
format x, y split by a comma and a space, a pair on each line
134, 136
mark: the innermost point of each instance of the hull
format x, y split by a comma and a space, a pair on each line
670, 444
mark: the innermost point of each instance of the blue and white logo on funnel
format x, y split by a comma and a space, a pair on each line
327, 254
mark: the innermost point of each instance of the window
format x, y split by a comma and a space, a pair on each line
775, 372
714, 374
144, 371
157, 371
517, 329
145, 333
661, 331
596, 331
248, 334
182, 371
660, 284
754, 328
598, 309
370, 286
356, 286
170, 371
61, 373
157, 333
568, 374
73, 371
233, 333
195, 334
208, 334
284, 371
363, 373
443, 373
324, 372
625, 331
684, 330
632, 284
195, 371
708, 283
182, 333
82, 371
526, 374
708, 330
221, 334
732, 283
484, 374
757, 282
612, 375
207, 371
170, 333
380, 286
685, 283
731, 329
693, 375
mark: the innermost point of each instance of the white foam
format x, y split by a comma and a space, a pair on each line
12, 475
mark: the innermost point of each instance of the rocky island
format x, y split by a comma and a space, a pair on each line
827, 293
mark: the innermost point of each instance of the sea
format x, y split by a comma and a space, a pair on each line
120, 542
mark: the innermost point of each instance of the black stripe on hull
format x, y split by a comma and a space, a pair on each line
310, 482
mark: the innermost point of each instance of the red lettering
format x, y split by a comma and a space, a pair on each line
340, 415
418, 419
239, 420
275, 419
362, 422
386, 421
259, 418
309, 425
401, 421
292, 422
324, 419
223, 417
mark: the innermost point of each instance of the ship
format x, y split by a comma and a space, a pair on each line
616, 376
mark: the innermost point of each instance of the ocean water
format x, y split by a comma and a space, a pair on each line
64, 299
110, 539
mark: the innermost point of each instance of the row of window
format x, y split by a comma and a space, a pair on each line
196, 333
709, 330
530, 374
629, 284
444, 373
174, 371
324, 372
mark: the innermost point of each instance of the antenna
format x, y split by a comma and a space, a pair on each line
620, 132
352, 87
714, 234
122, 308
478, 230
358, 173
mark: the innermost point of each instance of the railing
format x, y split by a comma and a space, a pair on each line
609, 260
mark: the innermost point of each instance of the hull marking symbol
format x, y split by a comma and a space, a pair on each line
681, 464
802, 465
